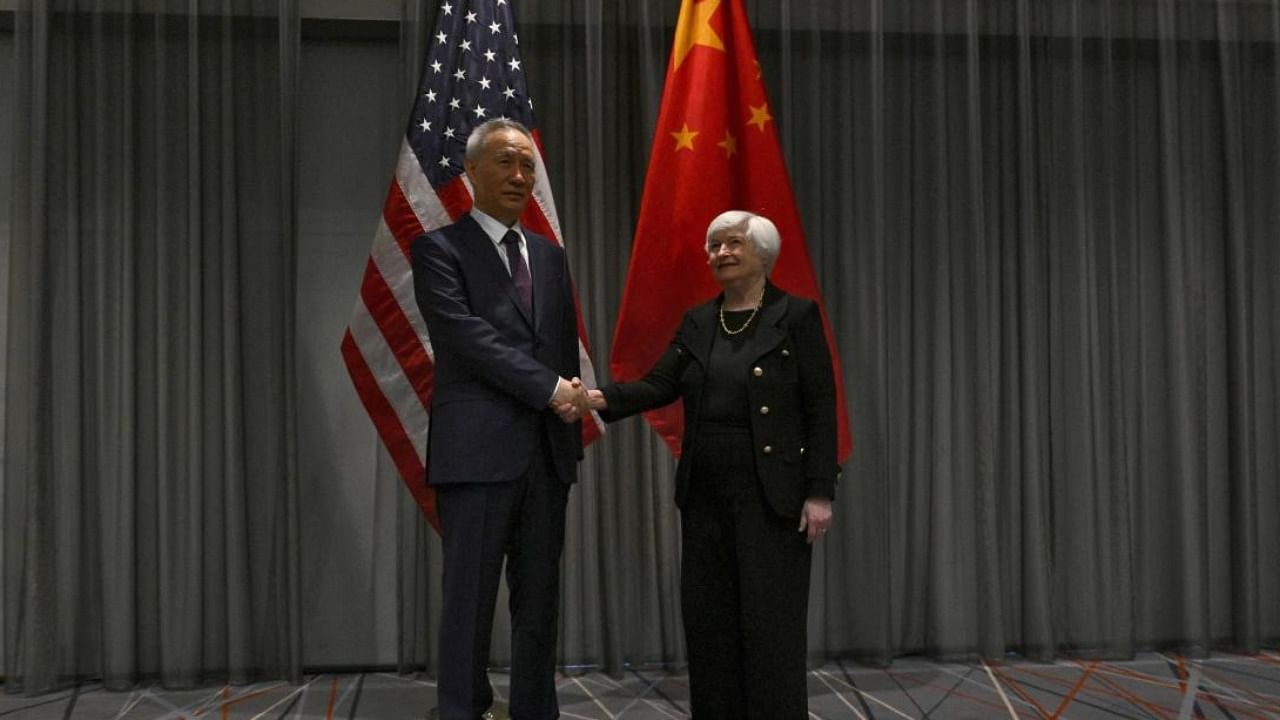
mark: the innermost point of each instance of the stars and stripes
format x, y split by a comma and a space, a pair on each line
475, 63
472, 73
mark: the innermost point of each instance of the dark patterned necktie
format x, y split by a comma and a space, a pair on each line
519, 271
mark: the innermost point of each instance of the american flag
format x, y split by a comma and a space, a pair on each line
472, 73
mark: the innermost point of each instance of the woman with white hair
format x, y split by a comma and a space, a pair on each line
756, 477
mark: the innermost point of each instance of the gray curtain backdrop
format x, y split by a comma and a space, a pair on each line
1045, 232
150, 483
6, 190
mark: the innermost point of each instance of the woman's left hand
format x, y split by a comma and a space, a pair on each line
815, 517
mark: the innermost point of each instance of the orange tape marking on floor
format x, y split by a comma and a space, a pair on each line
1021, 693
333, 699
1158, 710
1075, 690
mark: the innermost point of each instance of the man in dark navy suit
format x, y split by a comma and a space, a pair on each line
505, 438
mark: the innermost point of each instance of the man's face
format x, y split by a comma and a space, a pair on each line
502, 174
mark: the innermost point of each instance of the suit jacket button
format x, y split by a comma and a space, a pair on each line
768, 449
786, 352
757, 372
764, 409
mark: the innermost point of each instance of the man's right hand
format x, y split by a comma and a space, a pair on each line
570, 401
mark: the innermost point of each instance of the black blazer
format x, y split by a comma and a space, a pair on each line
791, 388
495, 366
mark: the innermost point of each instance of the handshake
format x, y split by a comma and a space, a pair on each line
573, 400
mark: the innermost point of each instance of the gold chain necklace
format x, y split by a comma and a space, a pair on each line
752, 316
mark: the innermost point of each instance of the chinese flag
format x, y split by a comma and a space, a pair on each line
716, 148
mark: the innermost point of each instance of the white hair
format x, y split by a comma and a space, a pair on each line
481, 132
759, 229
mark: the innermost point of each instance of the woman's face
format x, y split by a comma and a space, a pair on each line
734, 259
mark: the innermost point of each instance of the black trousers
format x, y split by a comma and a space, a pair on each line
483, 524
744, 590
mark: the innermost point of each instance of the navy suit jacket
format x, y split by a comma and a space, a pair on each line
495, 366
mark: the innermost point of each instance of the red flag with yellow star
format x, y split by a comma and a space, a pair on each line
715, 149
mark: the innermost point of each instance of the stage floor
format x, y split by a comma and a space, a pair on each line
1233, 687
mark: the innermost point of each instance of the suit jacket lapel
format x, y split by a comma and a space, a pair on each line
771, 333
480, 245
546, 278
703, 321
